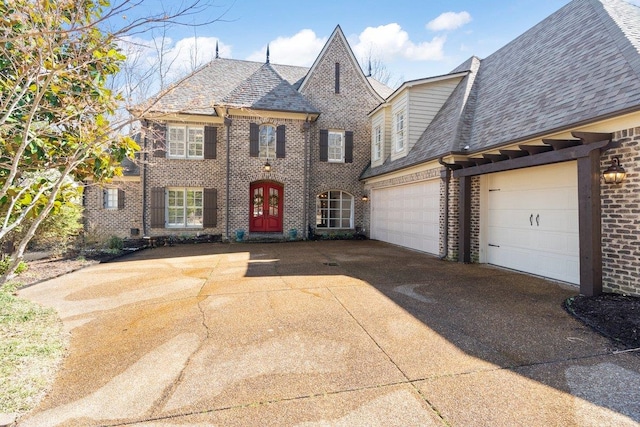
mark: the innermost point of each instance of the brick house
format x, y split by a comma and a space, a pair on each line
501, 161
257, 147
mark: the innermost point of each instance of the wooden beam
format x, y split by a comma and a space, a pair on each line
514, 154
589, 224
495, 157
559, 144
571, 153
464, 220
591, 137
535, 149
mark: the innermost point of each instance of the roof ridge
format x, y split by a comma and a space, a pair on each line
622, 20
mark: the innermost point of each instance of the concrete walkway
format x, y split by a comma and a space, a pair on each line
341, 333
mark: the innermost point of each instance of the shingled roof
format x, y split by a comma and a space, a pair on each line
579, 65
201, 91
267, 90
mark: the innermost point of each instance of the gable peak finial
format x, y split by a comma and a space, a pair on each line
267, 53
217, 55
369, 75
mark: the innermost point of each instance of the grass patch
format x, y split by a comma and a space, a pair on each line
32, 344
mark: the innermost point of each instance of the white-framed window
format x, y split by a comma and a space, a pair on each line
185, 142
110, 198
267, 142
184, 207
377, 143
336, 146
399, 133
334, 209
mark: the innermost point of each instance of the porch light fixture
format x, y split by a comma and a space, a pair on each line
267, 167
365, 198
615, 174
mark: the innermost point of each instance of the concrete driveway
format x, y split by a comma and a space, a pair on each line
336, 333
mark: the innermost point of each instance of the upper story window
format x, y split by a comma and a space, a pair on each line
267, 142
399, 134
336, 146
186, 142
377, 143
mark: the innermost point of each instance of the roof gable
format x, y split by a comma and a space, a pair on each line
336, 37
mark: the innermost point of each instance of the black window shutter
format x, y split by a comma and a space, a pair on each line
159, 138
348, 147
324, 145
105, 196
280, 141
157, 207
210, 204
210, 142
120, 198
254, 135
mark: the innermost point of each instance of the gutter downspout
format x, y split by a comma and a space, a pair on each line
446, 176
145, 158
306, 127
227, 123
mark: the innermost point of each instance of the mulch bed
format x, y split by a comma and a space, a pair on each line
613, 315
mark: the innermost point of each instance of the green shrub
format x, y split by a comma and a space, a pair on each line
116, 243
6, 262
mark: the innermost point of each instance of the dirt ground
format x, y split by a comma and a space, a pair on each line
612, 315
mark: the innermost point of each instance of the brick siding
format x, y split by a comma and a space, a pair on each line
346, 111
102, 223
621, 217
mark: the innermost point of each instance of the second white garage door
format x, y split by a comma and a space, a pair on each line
407, 215
532, 221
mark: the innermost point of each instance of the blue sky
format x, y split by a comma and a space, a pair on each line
412, 39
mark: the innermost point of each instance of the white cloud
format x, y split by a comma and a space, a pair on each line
300, 49
390, 42
449, 21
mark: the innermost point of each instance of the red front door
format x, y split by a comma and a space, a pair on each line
266, 207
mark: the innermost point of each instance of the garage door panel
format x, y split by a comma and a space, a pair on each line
532, 221
407, 215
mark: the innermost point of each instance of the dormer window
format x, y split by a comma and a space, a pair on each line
399, 133
377, 143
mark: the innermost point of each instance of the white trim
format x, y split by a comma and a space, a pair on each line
342, 144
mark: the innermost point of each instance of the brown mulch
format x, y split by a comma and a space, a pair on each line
50, 268
613, 315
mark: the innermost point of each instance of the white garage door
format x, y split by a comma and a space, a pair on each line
407, 215
533, 221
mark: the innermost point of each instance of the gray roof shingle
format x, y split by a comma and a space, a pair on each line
580, 64
267, 90
239, 83
205, 88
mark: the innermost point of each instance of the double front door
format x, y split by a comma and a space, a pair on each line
266, 207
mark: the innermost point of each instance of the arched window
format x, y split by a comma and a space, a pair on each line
267, 142
334, 210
